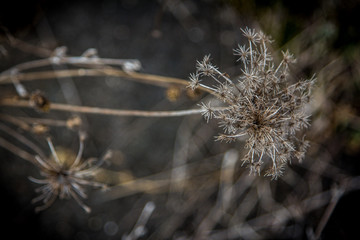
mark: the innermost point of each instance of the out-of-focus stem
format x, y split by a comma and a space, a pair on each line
16, 150
83, 72
104, 111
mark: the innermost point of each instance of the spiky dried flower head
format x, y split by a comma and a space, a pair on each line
262, 105
66, 178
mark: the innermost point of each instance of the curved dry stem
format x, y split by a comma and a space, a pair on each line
59, 59
104, 111
157, 80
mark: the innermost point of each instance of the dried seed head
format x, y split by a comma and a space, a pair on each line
65, 178
243, 52
250, 34
205, 67
194, 81
261, 105
207, 111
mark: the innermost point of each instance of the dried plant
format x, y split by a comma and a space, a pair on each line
66, 178
262, 105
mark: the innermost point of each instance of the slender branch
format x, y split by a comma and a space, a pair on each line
16, 150
131, 64
21, 139
337, 194
25, 46
104, 111
158, 80
16, 121
347, 185
139, 229
44, 121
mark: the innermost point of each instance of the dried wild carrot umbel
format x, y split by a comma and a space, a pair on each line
66, 178
263, 108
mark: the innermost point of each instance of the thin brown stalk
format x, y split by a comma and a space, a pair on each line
26, 47
44, 121
158, 80
103, 111
21, 139
61, 60
16, 150
16, 121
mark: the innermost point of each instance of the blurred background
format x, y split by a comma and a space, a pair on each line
316, 198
